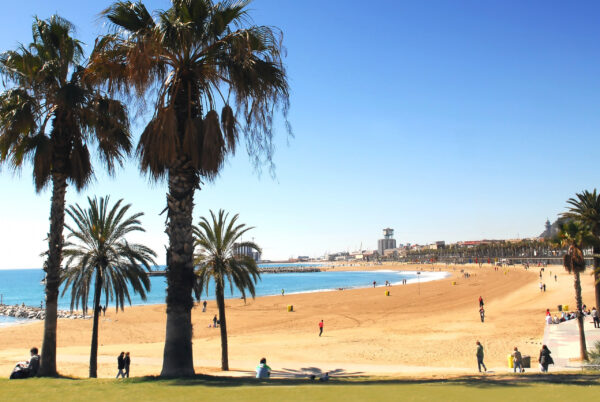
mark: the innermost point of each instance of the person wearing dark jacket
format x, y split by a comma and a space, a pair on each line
479, 354
127, 362
545, 359
121, 365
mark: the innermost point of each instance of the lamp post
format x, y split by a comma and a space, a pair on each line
419, 281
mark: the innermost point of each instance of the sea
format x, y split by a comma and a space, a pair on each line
19, 286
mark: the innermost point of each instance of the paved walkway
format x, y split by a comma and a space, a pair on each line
563, 341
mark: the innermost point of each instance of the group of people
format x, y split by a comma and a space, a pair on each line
123, 363
571, 315
544, 359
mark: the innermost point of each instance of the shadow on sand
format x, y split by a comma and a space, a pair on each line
341, 377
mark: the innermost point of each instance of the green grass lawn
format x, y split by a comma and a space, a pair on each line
529, 388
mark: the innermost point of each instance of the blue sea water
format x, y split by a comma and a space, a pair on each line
25, 286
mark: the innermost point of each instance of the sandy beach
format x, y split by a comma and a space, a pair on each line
365, 332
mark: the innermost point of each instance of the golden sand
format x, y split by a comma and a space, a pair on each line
365, 332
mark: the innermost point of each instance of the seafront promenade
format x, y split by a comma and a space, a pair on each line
563, 341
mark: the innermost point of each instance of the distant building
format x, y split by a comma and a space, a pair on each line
388, 242
303, 258
245, 250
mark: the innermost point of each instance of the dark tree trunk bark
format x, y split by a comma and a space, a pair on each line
94, 347
596, 251
52, 268
178, 358
582, 346
220, 292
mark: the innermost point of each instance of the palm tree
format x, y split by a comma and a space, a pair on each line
221, 258
575, 236
586, 208
194, 56
51, 116
100, 254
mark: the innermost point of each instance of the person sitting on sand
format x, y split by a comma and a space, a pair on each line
27, 369
262, 370
548, 319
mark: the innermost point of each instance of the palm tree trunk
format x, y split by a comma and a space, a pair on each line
579, 302
52, 268
177, 358
220, 292
94, 347
596, 251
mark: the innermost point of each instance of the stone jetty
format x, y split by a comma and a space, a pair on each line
289, 269
35, 313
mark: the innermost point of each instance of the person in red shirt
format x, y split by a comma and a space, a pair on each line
321, 328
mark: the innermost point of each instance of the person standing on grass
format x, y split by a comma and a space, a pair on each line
121, 365
479, 355
127, 363
321, 328
517, 361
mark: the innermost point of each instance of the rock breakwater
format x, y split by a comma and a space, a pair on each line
35, 313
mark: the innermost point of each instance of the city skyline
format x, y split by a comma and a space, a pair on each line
453, 121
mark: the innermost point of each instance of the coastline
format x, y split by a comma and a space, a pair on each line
407, 333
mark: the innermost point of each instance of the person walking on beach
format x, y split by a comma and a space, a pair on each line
204, 306
282, 291
127, 363
374, 283
215, 321
321, 328
482, 314
544, 287
104, 311
480, 301
479, 355
517, 361
121, 365
545, 359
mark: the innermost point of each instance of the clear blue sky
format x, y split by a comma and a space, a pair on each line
445, 120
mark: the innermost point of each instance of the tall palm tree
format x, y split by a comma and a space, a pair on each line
100, 254
195, 56
585, 207
51, 116
575, 235
221, 258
